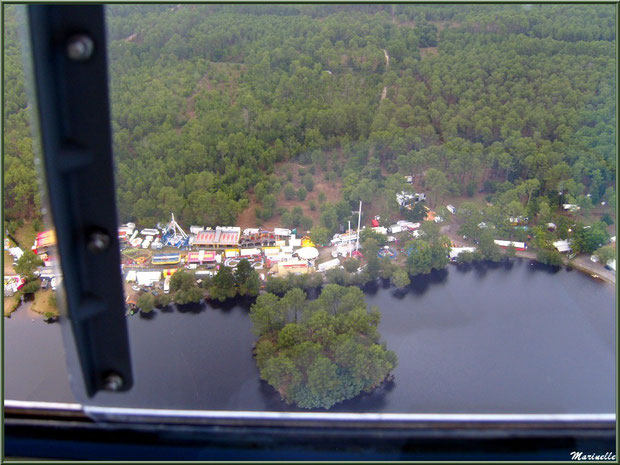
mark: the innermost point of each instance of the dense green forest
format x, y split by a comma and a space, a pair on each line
209, 101
320, 352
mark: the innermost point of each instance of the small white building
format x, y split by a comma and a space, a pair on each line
405, 198
329, 265
505, 244
571, 207
128, 228
408, 225
149, 232
281, 232
456, 251
271, 251
515, 220
249, 252
611, 264
248, 231
562, 246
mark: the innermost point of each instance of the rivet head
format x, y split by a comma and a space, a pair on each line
80, 47
98, 242
113, 382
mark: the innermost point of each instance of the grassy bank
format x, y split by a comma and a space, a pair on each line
43, 303
26, 235
10, 305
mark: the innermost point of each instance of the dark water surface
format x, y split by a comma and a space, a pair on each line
509, 338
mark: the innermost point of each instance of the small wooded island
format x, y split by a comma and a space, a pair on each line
317, 353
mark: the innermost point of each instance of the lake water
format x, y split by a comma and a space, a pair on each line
507, 338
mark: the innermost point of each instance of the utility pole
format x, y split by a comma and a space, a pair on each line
349, 233
359, 219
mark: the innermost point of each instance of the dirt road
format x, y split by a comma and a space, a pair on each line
387, 65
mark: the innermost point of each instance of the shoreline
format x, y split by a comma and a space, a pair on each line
583, 266
592, 273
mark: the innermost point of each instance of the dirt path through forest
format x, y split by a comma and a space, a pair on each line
387, 65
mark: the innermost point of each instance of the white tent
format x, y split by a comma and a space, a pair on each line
16, 252
308, 253
147, 278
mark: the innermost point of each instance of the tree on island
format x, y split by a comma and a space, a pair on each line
321, 352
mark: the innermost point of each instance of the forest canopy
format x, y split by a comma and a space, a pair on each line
317, 353
209, 100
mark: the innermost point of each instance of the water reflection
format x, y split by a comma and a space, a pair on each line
511, 342
541, 267
192, 308
420, 284
166, 309
148, 315
375, 401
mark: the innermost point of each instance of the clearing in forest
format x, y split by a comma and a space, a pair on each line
332, 190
